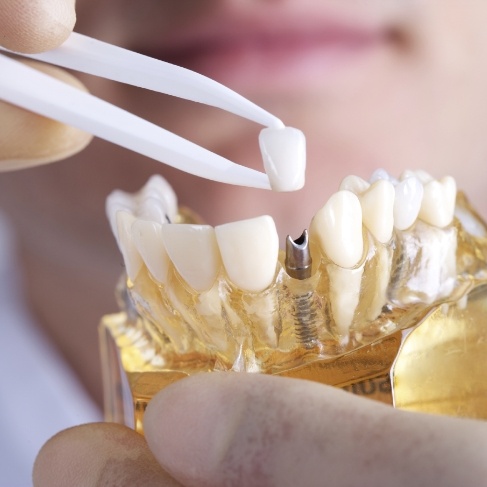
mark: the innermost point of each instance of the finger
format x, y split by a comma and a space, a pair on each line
256, 430
27, 139
35, 25
99, 455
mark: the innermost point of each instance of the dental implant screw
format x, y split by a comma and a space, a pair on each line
298, 265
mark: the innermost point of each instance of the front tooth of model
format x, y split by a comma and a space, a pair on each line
355, 184
194, 252
118, 201
377, 209
284, 154
409, 195
249, 250
153, 209
131, 257
148, 240
338, 226
438, 205
158, 185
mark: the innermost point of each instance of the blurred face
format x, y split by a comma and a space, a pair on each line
384, 83
394, 84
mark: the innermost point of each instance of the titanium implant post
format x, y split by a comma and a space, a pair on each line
298, 266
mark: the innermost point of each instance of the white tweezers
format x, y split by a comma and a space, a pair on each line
42, 94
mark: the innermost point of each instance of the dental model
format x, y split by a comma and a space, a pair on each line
380, 257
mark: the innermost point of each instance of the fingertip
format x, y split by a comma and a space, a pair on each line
32, 26
29, 139
98, 454
189, 415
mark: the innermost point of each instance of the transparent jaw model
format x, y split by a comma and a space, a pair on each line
403, 321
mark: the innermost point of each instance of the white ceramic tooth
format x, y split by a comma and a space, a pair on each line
377, 210
249, 250
423, 176
355, 184
344, 294
118, 201
153, 209
194, 252
131, 257
284, 155
382, 174
148, 241
438, 205
164, 190
338, 226
409, 195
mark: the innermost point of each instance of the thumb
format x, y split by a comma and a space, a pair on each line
254, 430
35, 25
27, 139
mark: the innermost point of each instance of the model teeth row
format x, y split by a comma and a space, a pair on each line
247, 251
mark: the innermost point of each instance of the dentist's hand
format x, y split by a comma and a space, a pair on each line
35, 25
226, 429
27, 139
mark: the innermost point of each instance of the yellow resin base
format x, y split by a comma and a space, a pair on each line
436, 366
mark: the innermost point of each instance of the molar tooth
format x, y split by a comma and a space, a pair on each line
338, 226
379, 174
249, 251
148, 240
284, 154
377, 209
355, 184
409, 195
194, 252
423, 176
131, 257
438, 205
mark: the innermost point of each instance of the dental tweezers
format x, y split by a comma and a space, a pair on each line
35, 91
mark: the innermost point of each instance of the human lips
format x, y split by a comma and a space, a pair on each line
284, 52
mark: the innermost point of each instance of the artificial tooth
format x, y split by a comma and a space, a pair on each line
249, 250
409, 195
438, 205
382, 174
148, 240
355, 184
377, 209
117, 201
194, 252
153, 209
131, 256
284, 155
344, 295
338, 226
423, 176
157, 185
